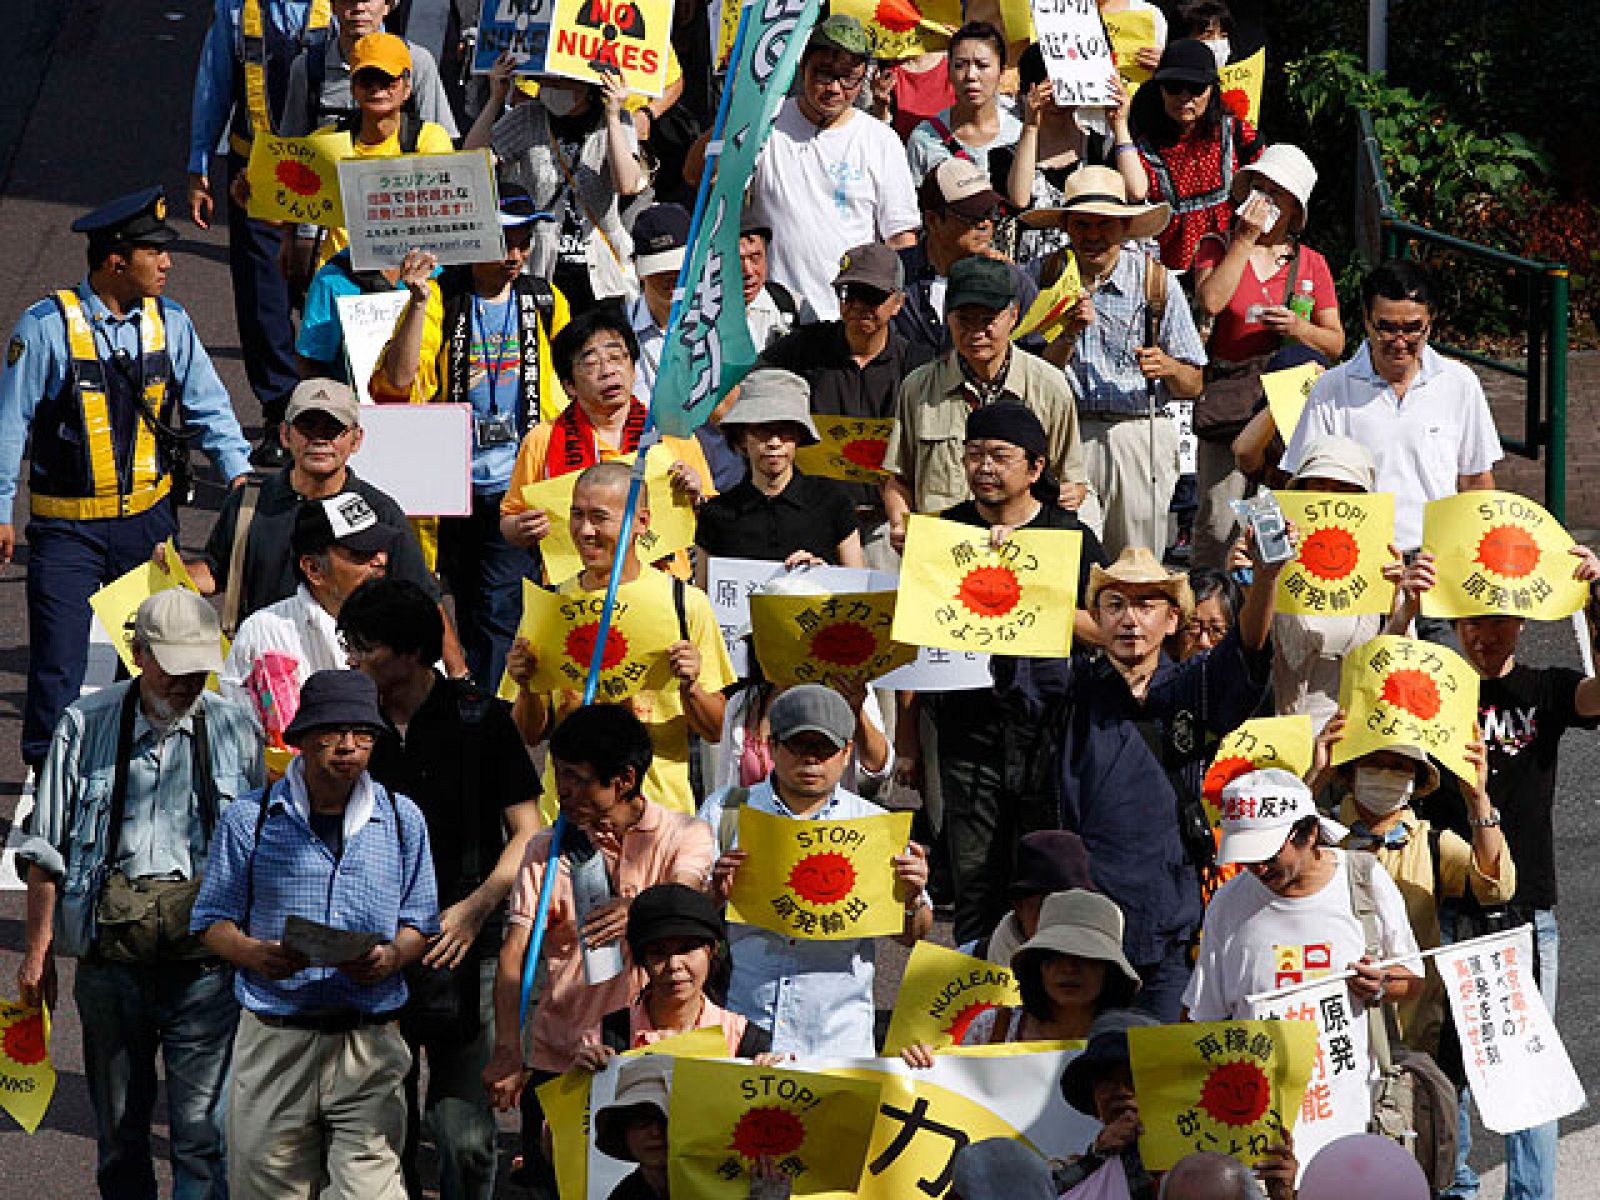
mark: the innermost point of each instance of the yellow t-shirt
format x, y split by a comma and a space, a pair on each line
431, 139
667, 781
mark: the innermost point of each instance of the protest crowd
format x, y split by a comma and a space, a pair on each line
933, 499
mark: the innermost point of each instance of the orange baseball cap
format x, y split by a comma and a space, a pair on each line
381, 52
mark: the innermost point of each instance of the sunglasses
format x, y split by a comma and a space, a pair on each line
1409, 331
1182, 87
860, 293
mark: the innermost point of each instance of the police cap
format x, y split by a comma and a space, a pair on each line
139, 219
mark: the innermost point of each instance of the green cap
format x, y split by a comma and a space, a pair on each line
841, 32
980, 280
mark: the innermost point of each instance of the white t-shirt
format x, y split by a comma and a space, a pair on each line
1441, 430
297, 626
824, 191
1255, 940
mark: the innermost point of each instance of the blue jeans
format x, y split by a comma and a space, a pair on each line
188, 1013
1530, 1154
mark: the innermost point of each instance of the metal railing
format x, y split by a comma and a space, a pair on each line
1543, 320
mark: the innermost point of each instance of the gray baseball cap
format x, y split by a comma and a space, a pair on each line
812, 708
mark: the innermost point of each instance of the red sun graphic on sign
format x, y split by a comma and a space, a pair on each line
822, 878
843, 644
580, 646
770, 1131
956, 1031
1237, 101
23, 1042
1510, 551
865, 452
1236, 1093
1223, 772
989, 591
896, 16
1413, 690
298, 178
1330, 553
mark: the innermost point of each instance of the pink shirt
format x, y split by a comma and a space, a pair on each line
664, 846
642, 1033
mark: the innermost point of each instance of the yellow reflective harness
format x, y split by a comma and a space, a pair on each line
146, 484
253, 29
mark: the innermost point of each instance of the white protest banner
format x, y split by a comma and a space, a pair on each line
1077, 52
421, 454
940, 670
729, 582
1338, 1099
1516, 1063
368, 322
519, 28
444, 203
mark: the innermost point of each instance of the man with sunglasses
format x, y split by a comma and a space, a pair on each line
1424, 417
830, 176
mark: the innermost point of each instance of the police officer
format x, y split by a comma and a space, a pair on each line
107, 376
241, 81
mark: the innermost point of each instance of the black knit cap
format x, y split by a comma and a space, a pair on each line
1008, 421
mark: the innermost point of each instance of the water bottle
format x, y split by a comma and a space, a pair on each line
590, 889
1303, 303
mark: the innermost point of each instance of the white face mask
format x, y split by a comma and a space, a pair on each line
559, 101
1221, 48
1383, 790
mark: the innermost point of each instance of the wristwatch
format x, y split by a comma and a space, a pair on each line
1492, 821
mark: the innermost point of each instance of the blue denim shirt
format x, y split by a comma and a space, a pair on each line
815, 996
162, 829
382, 881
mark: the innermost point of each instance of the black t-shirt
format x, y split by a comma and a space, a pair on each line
269, 563
430, 765
1523, 715
809, 514
634, 1187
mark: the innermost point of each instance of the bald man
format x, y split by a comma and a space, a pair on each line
1208, 1176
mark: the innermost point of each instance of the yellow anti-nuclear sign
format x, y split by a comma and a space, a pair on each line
1498, 554
1398, 691
852, 449
1131, 32
27, 1076
626, 37
297, 179
832, 640
941, 993
1259, 743
562, 630
1344, 546
115, 604
1287, 392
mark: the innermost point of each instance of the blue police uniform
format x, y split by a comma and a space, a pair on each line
91, 388
241, 81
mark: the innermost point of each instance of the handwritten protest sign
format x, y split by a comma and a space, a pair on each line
1397, 691
851, 448
1131, 31
27, 1076
1516, 1064
1338, 1098
1077, 53
588, 37
940, 994
672, 519
443, 203
1047, 315
1499, 554
730, 582
1344, 545
297, 179
367, 322
725, 1116
1257, 744
1241, 84
939, 670
563, 628
836, 640
959, 592
519, 28
821, 880
115, 604
1287, 392
1234, 1087
904, 28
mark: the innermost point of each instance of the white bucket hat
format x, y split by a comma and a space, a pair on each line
1082, 923
1289, 168
1259, 809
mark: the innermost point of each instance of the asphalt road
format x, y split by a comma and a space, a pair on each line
104, 89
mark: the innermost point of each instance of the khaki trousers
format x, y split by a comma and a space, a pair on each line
1117, 454
316, 1114
1218, 483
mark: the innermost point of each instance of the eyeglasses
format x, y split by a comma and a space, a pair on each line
976, 456
361, 735
862, 294
1182, 87
1400, 331
613, 354
826, 75
1211, 630
1144, 607
374, 80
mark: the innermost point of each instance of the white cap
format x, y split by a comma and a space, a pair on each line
1259, 809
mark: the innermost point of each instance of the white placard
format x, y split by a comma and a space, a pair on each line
1182, 413
444, 203
367, 322
1338, 1099
421, 454
1077, 52
1516, 1063
940, 670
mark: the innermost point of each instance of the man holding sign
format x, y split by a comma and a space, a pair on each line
815, 995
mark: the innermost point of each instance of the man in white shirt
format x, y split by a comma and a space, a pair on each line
338, 545
830, 177
1424, 417
660, 241
1290, 917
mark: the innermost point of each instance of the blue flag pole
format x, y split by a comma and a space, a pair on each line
648, 438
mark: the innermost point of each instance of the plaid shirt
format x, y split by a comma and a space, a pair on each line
1105, 364
382, 881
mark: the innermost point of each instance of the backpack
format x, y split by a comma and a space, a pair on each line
1416, 1104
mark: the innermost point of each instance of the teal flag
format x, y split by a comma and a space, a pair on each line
710, 350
